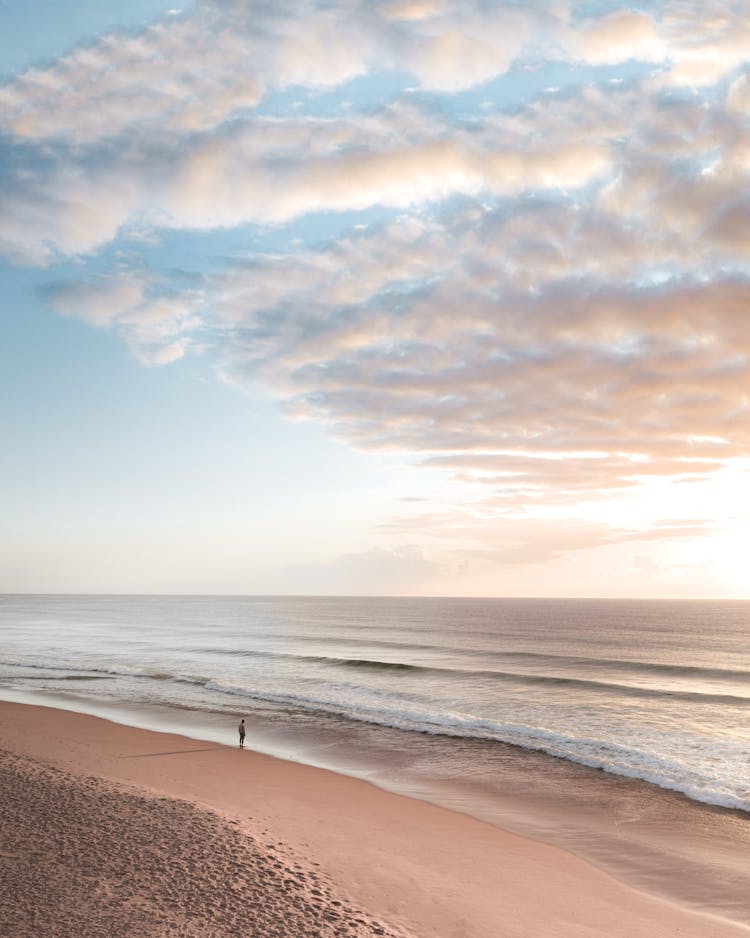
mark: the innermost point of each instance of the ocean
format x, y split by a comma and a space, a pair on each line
628, 719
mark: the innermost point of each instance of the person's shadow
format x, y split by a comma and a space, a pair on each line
174, 752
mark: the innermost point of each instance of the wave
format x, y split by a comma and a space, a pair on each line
98, 673
415, 713
87, 677
118, 671
614, 758
374, 665
648, 667
64, 677
541, 659
419, 671
487, 655
200, 679
630, 690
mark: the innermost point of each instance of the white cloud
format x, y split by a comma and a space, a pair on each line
621, 36
127, 134
269, 172
412, 9
159, 327
708, 41
572, 324
99, 302
247, 50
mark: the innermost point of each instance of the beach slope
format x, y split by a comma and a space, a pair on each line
112, 830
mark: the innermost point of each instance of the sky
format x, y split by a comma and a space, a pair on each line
398, 297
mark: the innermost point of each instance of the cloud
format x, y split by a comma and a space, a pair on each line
261, 171
429, 336
99, 302
464, 359
158, 325
379, 571
738, 94
122, 135
412, 9
621, 36
709, 42
572, 478
486, 538
247, 51
553, 307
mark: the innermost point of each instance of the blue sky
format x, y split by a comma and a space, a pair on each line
402, 297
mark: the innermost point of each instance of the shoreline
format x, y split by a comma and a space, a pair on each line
413, 868
654, 840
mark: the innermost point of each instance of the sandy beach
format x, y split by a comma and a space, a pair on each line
119, 831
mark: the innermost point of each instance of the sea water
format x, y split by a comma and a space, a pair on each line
654, 690
618, 730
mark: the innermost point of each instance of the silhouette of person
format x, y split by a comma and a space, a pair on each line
242, 734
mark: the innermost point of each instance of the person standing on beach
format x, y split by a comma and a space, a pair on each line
242, 734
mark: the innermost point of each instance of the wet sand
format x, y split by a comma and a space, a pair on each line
106, 829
